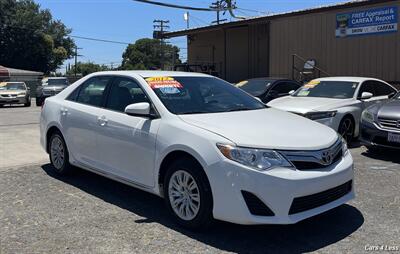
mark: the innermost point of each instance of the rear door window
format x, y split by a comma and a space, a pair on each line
92, 91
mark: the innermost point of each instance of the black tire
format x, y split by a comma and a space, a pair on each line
373, 149
203, 218
346, 128
65, 166
28, 103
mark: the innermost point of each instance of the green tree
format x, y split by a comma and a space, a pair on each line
86, 68
147, 54
30, 38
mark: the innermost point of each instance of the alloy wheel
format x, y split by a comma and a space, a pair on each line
347, 129
184, 195
57, 152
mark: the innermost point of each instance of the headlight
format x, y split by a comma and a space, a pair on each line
259, 159
320, 115
367, 116
345, 149
21, 94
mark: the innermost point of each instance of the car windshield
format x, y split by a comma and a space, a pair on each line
13, 86
199, 95
328, 89
255, 87
57, 82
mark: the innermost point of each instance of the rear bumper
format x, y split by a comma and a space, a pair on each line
373, 135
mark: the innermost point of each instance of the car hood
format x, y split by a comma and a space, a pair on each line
266, 128
307, 104
12, 91
390, 110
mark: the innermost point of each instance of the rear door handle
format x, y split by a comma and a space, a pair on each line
102, 120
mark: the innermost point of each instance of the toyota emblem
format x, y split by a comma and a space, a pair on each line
327, 157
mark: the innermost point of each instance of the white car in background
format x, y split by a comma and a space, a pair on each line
337, 102
210, 149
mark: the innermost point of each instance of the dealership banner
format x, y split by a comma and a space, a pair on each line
372, 21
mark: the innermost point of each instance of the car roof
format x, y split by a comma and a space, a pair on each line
349, 79
150, 74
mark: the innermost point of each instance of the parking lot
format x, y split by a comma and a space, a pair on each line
85, 213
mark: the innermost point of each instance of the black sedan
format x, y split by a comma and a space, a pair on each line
268, 89
380, 124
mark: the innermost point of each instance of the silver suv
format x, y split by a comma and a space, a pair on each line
50, 87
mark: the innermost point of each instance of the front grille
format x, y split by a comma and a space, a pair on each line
309, 160
383, 141
389, 123
305, 203
255, 205
51, 93
8, 96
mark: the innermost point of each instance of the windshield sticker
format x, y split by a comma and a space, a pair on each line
303, 93
312, 84
163, 82
242, 83
169, 90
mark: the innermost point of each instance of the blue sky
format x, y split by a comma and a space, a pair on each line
127, 21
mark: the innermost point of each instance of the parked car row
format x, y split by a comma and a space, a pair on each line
12, 93
341, 103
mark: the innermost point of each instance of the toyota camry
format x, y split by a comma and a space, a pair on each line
209, 149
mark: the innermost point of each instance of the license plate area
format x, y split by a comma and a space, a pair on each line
393, 137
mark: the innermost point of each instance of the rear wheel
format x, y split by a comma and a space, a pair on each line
58, 153
188, 194
346, 128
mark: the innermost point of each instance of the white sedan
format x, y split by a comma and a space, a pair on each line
208, 148
337, 102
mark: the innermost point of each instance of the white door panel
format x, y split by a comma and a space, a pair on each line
79, 122
126, 146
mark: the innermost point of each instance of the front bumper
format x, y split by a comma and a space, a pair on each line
276, 188
13, 100
373, 135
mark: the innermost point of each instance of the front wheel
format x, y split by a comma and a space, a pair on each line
188, 194
58, 153
346, 129
28, 102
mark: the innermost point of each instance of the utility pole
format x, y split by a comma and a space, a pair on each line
76, 59
218, 6
160, 27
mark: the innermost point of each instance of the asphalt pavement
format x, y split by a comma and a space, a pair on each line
86, 213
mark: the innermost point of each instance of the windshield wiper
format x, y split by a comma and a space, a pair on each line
193, 112
238, 109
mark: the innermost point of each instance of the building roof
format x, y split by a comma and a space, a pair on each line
257, 19
10, 72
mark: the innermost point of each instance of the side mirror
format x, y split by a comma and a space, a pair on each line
292, 92
139, 109
366, 96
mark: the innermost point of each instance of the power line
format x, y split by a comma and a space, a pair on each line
175, 6
99, 40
